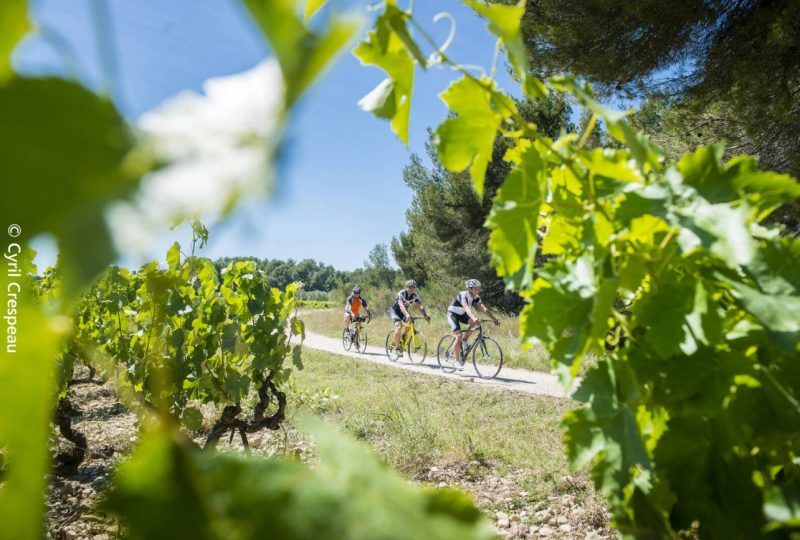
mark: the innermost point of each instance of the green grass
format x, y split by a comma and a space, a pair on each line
330, 322
415, 421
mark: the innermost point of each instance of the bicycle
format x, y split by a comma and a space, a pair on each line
411, 341
487, 356
355, 333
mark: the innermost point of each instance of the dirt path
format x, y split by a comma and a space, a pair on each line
518, 380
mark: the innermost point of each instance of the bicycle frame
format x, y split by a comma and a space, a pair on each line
409, 332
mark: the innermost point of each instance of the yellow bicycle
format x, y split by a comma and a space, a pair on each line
411, 341
355, 334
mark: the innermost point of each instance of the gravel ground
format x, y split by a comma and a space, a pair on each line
570, 512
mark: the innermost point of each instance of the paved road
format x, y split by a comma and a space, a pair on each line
519, 380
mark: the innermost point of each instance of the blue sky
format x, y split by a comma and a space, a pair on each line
340, 191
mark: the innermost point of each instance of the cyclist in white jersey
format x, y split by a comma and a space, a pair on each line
399, 310
461, 311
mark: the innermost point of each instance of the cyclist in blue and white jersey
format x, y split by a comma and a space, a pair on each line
399, 310
461, 311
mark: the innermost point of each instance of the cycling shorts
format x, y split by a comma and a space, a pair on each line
456, 320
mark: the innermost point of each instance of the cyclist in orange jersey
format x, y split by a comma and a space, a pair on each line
353, 305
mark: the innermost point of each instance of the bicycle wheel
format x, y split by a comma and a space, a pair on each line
487, 358
361, 340
444, 354
417, 348
347, 340
391, 352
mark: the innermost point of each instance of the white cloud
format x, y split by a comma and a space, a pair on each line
216, 147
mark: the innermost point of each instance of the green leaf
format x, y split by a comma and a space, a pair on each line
467, 139
192, 418
677, 318
302, 54
62, 149
504, 22
297, 360
385, 48
174, 256
514, 219
739, 178
605, 432
312, 6
780, 314
27, 401
14, 24
168, 489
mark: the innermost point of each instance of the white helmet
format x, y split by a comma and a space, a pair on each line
473, 283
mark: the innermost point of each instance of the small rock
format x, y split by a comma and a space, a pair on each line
514, 531
539, 505
72, 501
434, 469
533, 530
514, 518
101, 537
565, 528
576, 512
501, 515
545, 531
561, 520
541, 515
503, 523
523, 493
442, 484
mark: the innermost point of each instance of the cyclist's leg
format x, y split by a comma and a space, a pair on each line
347, 320
455, 326
471, 326
396, 319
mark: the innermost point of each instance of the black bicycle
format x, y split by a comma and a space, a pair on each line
487, 356
356, 334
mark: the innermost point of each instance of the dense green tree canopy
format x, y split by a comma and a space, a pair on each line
725, 69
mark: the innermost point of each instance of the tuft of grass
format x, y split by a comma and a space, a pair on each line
330, 322
414, 420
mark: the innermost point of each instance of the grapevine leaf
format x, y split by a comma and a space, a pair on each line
27, 379
664, 314
297, 360
513, 220
739, 178
312, 6
55, 129
302, 53
168, 489
174, 256
606, 432
504, 22
719, 228
467, 139
14, 24
385, 48
192, 418
780, 314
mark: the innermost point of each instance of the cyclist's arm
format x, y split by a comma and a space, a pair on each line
424, 312
402, 307
489, 313
470, 313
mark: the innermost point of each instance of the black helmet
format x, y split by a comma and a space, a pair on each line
411, 283
357, 289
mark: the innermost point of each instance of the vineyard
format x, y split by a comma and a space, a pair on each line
665, 283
